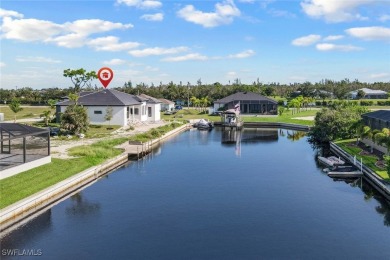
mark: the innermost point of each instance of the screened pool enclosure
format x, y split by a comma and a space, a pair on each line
21, 144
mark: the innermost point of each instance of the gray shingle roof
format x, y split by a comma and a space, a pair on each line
166, 101
244, 96
379, 114
106, 97
150, 99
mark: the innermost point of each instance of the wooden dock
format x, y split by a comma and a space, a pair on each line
137, 150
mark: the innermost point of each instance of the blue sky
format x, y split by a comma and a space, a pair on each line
161, 41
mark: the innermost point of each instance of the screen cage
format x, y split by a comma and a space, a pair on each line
20, 144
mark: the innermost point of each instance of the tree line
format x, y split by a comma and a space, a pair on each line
184, 91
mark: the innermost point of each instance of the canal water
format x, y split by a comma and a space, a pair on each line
254, 194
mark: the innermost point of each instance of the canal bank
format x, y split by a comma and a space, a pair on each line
376, 181
287, 126
15, 213
198, 198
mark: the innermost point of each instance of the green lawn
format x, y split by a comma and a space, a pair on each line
368, 160
27, 183
287, 117
27, 112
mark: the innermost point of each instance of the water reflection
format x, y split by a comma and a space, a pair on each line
82, 207
370, 193
41, 225
274, 203
295, 135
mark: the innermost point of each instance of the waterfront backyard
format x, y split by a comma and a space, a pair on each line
250, 194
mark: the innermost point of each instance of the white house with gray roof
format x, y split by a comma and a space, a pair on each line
369, 93
126, 108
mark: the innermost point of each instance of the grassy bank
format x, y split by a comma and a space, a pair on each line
369, 160
154, 133
27, 112
287, 117
27, 183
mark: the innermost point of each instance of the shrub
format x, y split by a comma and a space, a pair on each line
366, 102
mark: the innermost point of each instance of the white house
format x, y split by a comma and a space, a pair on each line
369, 93
126, 108
166, 105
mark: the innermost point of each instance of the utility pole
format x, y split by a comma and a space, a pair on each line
188, 95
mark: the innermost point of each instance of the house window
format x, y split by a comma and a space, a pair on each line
149, 112
97, 112
136, 111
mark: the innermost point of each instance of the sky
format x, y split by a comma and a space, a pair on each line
153, 41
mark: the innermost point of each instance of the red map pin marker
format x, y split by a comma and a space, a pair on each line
105, 76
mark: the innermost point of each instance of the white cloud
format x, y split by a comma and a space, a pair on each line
223, 14
2, 64
9, 13
306, 40
111, 43
37, 59
333, 37
70, 34
241, 55
370, 33
190, 56
91, 26
143, 4
231, 74
29, 29
336, 10
153, 17
281, 13
334, 47
384, 18
157, 51
151, 69
380, 75
71, 40
247, 1
114, 62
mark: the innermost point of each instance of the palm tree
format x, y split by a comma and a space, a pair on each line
15, 107
373, 137
358, 127
46, 116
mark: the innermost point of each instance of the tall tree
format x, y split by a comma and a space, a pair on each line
79, 78
15, 107
75, 118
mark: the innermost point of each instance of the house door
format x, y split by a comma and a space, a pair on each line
149, 112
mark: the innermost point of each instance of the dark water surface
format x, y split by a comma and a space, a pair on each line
197, 197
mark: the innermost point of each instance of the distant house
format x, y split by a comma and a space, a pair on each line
377, 119
126, 108
250, 103
166, 105
180, 102
318, 93
369, 94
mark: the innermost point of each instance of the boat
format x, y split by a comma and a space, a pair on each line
335, 160
325, 161
344, 172
231, 118
204, 124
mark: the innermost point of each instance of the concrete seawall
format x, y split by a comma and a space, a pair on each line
271, 125
17, 212
376, 181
